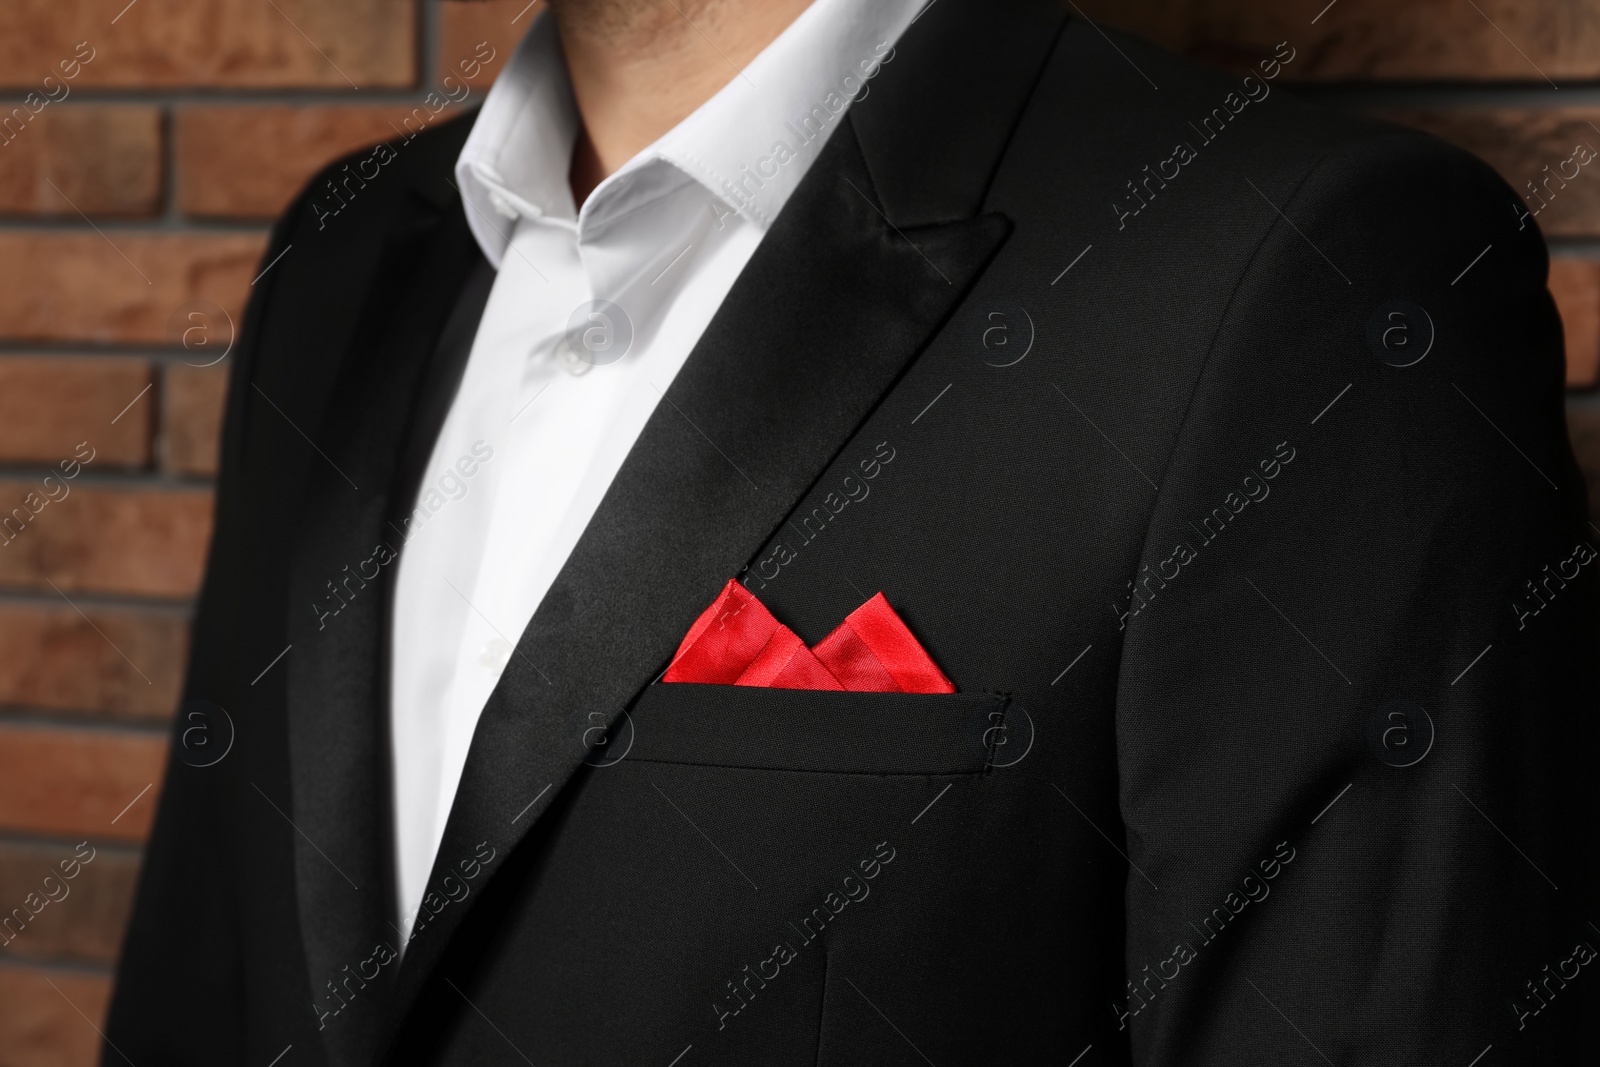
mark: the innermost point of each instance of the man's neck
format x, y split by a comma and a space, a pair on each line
640, 67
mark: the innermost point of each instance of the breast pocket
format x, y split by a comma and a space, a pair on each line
817, 730
727, 844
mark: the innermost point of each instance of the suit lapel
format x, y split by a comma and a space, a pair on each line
826, 315
338, 612
843, 293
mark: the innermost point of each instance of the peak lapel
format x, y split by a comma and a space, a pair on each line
872, 254
337, 609
938, 118
832, 307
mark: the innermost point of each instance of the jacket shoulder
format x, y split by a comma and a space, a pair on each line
1108, 105
344, 200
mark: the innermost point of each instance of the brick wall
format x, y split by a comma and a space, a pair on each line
135, 188
135, 191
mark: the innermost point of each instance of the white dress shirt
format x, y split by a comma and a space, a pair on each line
591, 315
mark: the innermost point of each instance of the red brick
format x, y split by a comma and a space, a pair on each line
1575, 284
49, 404
462, 27
1376, 39
249, 162
191, 417
102, 539
232, 43
123, 662
79, 783
84, 915
1530, 145
1583, 425
77, 286
103, 161
40, 1025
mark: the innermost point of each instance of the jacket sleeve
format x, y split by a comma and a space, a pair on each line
1356, 730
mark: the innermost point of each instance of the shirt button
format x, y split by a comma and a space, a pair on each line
495, 654
500, 204
571, 363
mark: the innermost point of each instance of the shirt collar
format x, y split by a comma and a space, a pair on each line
749, 145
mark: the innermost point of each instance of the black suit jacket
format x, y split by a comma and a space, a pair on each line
1229, 483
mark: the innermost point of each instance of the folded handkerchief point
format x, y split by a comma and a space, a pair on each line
724, 640
873, 651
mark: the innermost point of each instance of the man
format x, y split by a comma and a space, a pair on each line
1210, 445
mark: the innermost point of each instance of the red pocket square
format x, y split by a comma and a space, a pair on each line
736, 641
